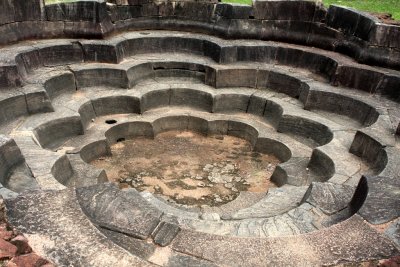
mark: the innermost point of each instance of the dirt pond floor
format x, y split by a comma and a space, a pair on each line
189, 168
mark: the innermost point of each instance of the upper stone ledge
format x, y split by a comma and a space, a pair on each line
339, 29
17, 63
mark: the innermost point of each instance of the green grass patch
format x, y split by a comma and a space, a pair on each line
382, 6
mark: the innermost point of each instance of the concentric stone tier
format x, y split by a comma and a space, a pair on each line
331, 120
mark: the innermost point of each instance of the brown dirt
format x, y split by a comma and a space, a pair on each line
385, 18
189, 168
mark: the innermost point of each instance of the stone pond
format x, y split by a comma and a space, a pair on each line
199, 133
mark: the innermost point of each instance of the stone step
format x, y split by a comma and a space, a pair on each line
83, 173
122, 211
312, 249
302, 219
61, 232
276, 201
329, 198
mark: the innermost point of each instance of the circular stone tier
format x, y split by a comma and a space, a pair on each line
200, 133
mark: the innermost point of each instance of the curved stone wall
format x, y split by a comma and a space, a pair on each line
319, 89
340, 29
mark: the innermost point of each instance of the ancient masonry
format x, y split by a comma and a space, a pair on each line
317, 88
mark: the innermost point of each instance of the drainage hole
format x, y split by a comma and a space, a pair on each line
111, 121
120, 140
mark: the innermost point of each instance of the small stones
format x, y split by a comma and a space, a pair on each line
198, 177
208, 167
184, 171
228, 185
217, 198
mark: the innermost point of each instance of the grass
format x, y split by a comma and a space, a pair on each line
382, 6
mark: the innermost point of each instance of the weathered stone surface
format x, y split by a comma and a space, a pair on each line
55, 228
20, 11
230, 103
384, 35
233, 11
192, 98
10, 156
83, 173
165, 233
277, 201
293, 172
362, 79
13, 105
105, 76
179, 259
341, 104
115, 105
353, 239
237, 78
138, 247
37, 100
122, 211
284, 10
316, 131
383, 200
37, 77
357, 23
393, 232
60, 53
20, 179
9, 77
330, 198
370, 149
59, 84
53, 133
388, 86
87, 11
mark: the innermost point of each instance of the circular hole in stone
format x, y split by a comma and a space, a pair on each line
189, 168
111, 121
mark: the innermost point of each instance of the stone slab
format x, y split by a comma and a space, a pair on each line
122, 211
383, 200
353, 240
57, 229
